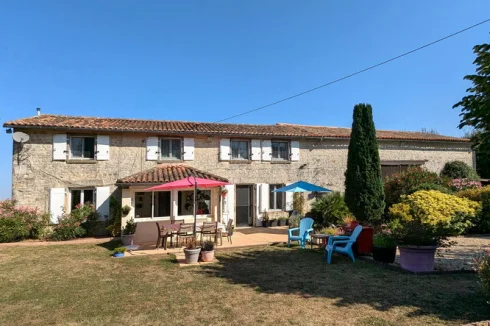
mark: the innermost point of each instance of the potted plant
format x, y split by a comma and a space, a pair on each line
126, 209
272, 222
224, 192
384, 247
128, 232
265, 219
191, 252
207, 253
119, 252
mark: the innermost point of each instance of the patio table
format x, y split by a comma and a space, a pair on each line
323, 237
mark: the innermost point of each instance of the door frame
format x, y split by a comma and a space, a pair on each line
253, 202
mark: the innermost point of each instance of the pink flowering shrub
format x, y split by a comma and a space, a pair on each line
18, 222
76, 224
463, 184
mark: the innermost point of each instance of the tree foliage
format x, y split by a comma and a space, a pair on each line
475, 107
364, 193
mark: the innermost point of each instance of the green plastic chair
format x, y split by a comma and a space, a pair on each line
305, 227
342, 244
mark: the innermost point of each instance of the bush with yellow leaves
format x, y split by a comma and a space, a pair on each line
449, 214
475, 194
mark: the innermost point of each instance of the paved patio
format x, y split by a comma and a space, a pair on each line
242, 237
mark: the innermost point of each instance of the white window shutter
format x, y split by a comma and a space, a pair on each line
289, 200
266, 150
56, 203
102, 148
230, 202
224, 149
264, 197
59, 147
256, 150
294, 150
152, 149
188, 149
102, 195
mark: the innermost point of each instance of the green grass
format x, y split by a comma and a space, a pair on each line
82, 285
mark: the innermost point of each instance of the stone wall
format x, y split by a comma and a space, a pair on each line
322, 162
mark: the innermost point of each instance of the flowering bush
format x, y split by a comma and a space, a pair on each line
18, 223
78, 223
404, 182
463, 184
475, 194
481, 265
435, 214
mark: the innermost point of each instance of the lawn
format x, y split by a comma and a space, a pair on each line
82, 285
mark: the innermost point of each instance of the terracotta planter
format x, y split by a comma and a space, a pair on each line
384, 255
127, 239
365, 240
207, 256
192, 255
417, 258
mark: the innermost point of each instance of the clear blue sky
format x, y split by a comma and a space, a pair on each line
206, 60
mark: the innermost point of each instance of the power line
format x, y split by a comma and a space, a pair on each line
355, 73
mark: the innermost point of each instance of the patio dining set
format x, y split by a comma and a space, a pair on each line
184, 232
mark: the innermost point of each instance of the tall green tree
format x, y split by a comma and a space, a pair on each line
475, 108
364, 193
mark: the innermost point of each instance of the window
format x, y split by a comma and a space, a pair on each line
142, 207
162, 203
280, 150
239, 150
170, 149
390, 168
186, 202
276, 199
82, 148
81, 196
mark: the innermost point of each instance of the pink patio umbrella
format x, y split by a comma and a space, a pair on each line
189, 182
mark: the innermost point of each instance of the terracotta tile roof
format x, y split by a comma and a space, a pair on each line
60, 122
164, 173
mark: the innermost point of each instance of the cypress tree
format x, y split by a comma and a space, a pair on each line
364, 192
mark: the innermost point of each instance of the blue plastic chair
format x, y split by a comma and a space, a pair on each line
305, 227
342, 244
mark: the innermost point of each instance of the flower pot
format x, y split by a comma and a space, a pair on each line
286, 222
192, 255
353, 224
279, 222
127, 239
273, 222
384, 255
365, 240
264, 224
118, 254
417, 258
207, 256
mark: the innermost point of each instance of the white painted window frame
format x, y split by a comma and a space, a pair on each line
82, 195
274, 186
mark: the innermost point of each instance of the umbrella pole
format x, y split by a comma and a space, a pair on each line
195, 208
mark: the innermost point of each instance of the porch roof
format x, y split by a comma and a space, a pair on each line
164, 173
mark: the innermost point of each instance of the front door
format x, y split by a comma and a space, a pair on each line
243, 205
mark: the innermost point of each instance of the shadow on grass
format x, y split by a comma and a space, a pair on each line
110, 245
303, 272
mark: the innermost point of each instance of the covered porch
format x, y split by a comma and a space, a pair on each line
167, 206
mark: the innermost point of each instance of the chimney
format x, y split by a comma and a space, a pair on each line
38, 112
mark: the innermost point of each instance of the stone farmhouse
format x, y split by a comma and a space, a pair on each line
70, 160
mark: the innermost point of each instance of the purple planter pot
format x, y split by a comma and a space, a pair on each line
417, 258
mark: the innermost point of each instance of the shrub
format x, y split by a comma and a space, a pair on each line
482, 266
69, 227
114, 222
298, 202
120, 250
474, 194
208, 246
482, 221
23, 218
463, 184
384, 240
13, 229
89, 217
402, 183
329, 209
459, 170
430, 186
364, 193
450, 214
